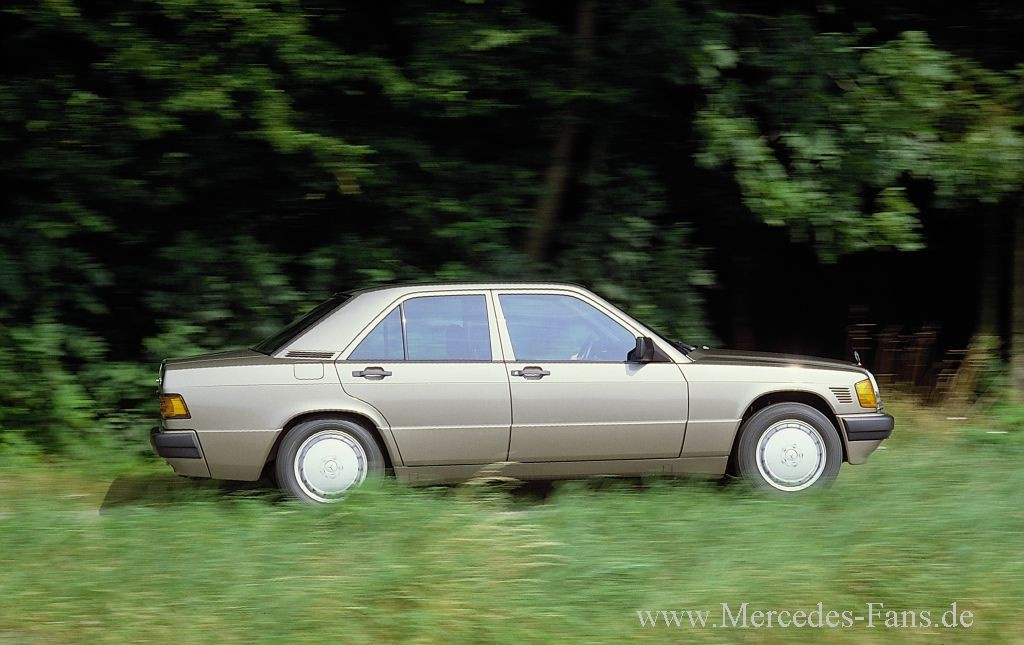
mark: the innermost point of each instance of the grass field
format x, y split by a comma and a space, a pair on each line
131, 553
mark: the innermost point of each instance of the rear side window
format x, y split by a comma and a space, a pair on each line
385, 341
447, 328
430, 328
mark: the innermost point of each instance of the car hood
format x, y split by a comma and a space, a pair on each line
767, 359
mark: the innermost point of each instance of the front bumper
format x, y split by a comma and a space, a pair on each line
181, 449
863, 433
869, 427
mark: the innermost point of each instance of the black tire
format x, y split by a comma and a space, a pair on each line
803, 416
339, 429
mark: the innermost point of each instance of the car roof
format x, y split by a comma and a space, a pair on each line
365, 305
412, 287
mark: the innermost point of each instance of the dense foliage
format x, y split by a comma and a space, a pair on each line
183, 175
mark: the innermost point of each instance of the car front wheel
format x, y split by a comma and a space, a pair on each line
320, 460
789, 447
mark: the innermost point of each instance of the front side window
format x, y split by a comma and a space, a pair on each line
436, 328
550, 327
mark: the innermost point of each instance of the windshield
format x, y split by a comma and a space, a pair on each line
286, 335
678, 344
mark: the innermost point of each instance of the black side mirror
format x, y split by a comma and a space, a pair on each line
643, 352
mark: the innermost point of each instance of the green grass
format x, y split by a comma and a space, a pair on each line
130, 553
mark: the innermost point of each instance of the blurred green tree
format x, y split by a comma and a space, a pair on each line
181, 176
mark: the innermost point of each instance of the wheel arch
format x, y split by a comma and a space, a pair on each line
348, 415
808, 398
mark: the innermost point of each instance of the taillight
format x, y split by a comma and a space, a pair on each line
172, 406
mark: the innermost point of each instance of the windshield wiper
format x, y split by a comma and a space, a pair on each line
683, 347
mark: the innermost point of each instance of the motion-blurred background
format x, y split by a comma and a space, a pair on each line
180, 176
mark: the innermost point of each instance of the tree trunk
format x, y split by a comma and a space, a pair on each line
556, 178
744, 270
1017, 308
991, 252
550, 202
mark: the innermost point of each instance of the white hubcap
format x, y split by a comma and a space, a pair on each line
329, 463
791, 455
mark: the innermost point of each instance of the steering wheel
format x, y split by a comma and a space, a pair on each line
587, 348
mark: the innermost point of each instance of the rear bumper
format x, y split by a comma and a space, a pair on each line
175, 445
181, 450
868, 427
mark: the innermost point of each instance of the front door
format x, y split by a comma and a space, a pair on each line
574, 395
428, 366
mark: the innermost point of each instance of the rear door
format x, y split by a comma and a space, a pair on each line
574, 395
431, 364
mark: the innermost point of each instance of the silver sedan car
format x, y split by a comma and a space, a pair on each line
440, 382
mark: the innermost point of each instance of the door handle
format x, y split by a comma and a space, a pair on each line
372, 373
531, 372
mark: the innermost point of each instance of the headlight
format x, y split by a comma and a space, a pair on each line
867, 394
878, 393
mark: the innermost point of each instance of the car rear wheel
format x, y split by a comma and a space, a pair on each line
321, 460
789, 447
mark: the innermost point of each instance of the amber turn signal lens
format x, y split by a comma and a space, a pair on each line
866, 394
172, 406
